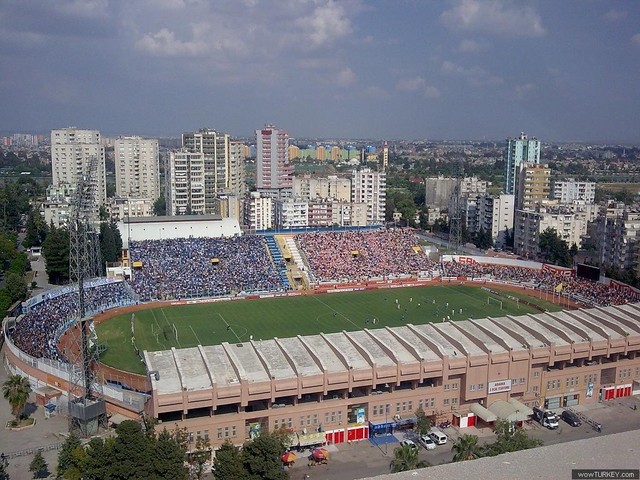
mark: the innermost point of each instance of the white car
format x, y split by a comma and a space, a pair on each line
409, 443
427, 442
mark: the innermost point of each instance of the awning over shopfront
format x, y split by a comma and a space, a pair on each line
483, 413
507, 411
406, 421
311, 439
521, 406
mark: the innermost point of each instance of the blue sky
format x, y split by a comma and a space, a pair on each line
561, 70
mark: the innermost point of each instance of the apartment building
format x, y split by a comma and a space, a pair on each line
495, 215
568, 191
76, 152
369, 187
273, 169
519, 151
185, 183
137, 164
258, 212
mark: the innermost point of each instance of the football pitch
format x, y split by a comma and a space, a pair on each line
241, 321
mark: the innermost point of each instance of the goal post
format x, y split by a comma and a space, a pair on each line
493, 300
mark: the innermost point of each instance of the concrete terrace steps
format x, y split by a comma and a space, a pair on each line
278, 260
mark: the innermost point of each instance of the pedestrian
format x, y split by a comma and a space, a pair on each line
599, 427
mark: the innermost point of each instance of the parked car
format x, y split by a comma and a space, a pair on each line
427, 442
409, 443
437, 436
571, 418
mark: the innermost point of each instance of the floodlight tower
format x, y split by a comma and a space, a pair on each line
455, 213
87, 411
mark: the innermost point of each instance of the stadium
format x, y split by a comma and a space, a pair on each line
334, 335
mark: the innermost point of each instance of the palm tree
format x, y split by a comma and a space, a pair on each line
16, 390
466, 448
406, 458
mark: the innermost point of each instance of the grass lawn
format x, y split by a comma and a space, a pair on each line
239, 321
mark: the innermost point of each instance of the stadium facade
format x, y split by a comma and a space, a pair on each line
353, 385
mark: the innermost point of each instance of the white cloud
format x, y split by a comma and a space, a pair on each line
635, 40
615, 15
521, 91
475, 76
165, 43
418, 84
83, 8
471, 46
345, 77
325, 24
494, 17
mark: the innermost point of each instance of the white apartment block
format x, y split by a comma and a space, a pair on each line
567, 191
369, 187
290, 213
120, 208
137, 162
185, 184
569, 221
332, 187
495, 215
72, 151
258, 212
223, 163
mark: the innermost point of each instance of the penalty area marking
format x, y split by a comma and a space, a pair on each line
230, 327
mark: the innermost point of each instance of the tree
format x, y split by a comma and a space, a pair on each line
261, 457
16, 287
406, 458
227, 465
68, 462
39, 466
16, 390
55, 250
160, 206
553, 249
169, 457
132, 456
510, 439
466, 448
36, 229
199, 457
423, 423
483, 240
3, 469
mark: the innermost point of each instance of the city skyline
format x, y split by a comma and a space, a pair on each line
464, 69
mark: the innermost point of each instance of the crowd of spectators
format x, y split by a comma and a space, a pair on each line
185, 267
361, 255
37, 331
583, 290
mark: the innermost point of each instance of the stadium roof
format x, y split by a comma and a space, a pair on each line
200, 368
171, 218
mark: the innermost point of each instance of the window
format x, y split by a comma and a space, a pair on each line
523, 381
326, 417
445, 401
220, 433
454, 386
446, 387
290, 422
536, 374
233, 431
375, 410
535, 388
472, 387
481, 386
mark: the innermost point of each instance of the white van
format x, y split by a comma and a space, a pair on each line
438, 437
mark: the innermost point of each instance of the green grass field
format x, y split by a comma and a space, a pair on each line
239, 321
